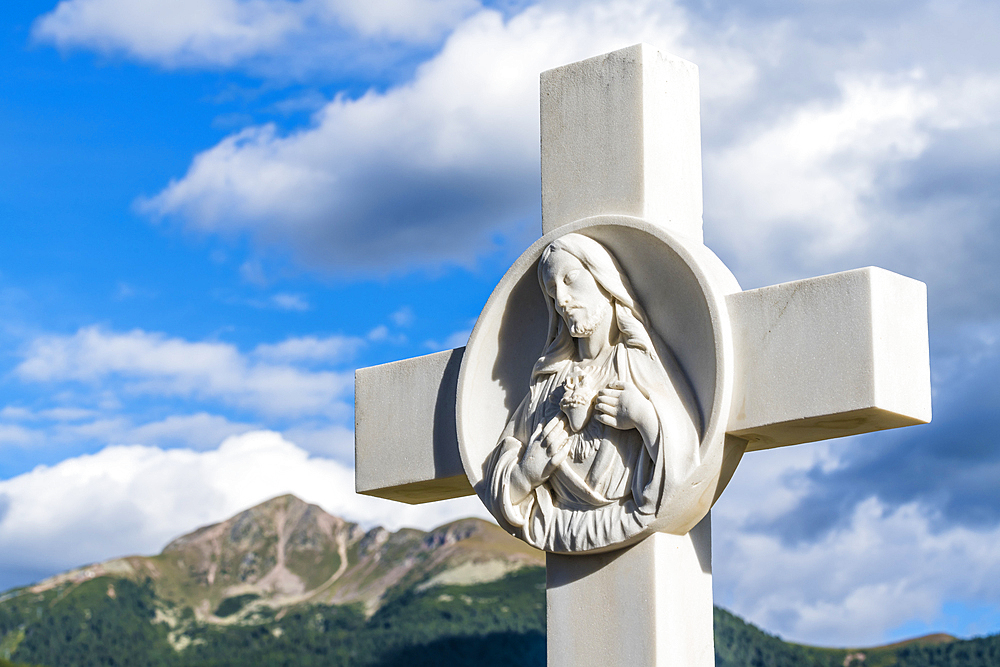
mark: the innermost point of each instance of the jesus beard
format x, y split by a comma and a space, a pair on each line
583, 322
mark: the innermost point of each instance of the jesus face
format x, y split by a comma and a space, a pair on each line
580, 301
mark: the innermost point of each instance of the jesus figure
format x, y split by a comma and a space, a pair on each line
609, 426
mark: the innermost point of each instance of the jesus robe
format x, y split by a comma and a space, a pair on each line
609, 487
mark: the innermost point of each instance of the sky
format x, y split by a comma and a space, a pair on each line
213, 211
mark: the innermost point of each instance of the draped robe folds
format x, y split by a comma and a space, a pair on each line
610, 486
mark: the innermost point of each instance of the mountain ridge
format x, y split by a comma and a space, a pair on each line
285, 578
285, 552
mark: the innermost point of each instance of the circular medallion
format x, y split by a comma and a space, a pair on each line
595, 390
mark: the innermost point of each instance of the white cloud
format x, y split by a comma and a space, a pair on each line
884, 569
888, 171
418, 20
218, 32
152, 363
438, 165
197, 431
879, 569
811, 172
66, 414
252, 271
458, 339
808, 141
16, 413
226, 33
815, 148
324, 440
381, 334
15, 434
286, 301
134, 499
310, 348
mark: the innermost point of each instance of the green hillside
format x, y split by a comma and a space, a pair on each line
740, 644
496, 622
287, 584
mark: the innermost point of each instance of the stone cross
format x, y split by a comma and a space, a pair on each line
820, 358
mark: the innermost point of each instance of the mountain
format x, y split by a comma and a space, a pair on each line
285, 552
282, 577
287, 583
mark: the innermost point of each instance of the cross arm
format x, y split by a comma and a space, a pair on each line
828, 357
819, 358
621, 133
405, 441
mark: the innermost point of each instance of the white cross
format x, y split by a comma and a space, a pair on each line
809, 360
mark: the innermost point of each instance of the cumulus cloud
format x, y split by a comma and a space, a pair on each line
882, 572
226, 33
151, 363
867, 176
872, 538
809, 175
823, 152
134, 499
440, 165
882, 568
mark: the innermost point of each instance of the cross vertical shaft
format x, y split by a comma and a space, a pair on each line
621, 135
649, 604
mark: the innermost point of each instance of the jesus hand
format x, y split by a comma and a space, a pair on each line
547, 449
623, 406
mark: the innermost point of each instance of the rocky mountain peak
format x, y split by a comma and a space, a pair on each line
288, 514
285, 551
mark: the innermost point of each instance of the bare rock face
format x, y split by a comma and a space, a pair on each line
286, 551
280, 549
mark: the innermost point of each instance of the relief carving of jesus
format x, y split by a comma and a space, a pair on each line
609, 424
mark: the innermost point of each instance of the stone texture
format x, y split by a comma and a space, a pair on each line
831, 356
647, 605
405, 446
621, 134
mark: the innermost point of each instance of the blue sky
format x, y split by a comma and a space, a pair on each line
213, 211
